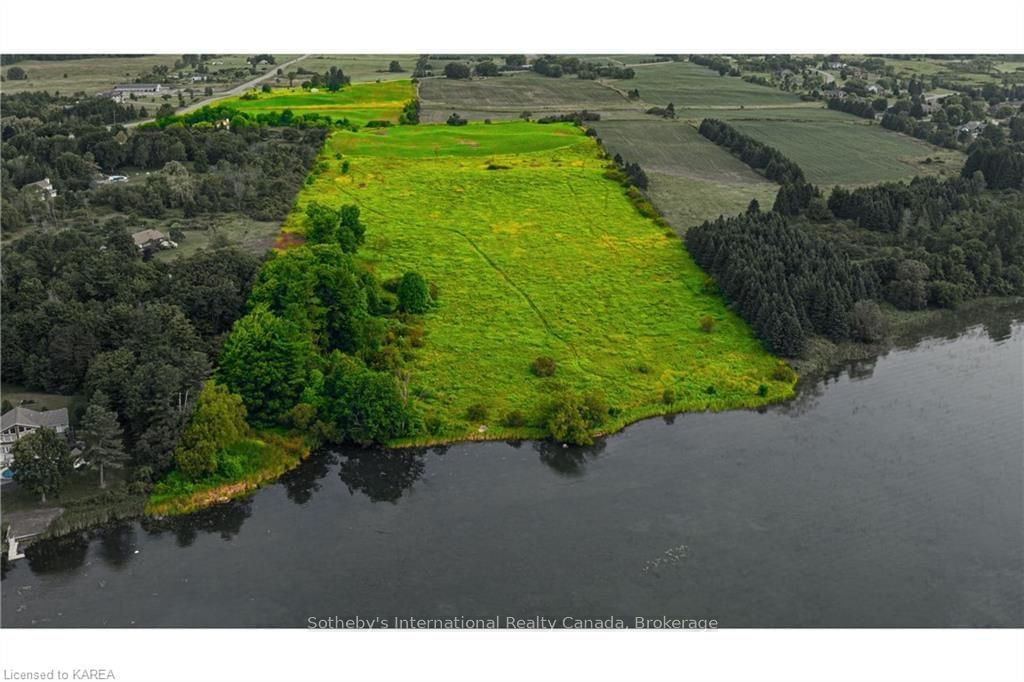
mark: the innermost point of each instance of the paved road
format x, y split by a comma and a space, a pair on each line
237, 90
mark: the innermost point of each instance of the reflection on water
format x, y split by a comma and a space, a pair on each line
891, 494
224, 520
301, 483
381, 475
59, 555
568, 460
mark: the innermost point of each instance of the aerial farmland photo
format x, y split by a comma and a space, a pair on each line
694, 341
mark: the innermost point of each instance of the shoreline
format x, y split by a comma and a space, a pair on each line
825, 359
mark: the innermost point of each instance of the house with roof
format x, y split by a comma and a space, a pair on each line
44, 187
18, 422
971, 128
152, 240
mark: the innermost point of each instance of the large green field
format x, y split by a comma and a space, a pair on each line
691, 178
535, 252
359, 102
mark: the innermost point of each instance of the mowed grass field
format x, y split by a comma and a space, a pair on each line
543, 255
691, 178
358, 102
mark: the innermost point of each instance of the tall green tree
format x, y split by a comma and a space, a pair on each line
218, 421
103, 437
41, 462
413, 294
266, 360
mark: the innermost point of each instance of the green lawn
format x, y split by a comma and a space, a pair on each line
34, 400
359, 102
538, 255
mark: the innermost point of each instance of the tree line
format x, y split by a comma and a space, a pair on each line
796, 192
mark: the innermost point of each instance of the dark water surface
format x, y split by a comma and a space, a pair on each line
890, 495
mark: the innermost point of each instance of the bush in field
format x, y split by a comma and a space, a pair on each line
543, 366
570, 418
456, 70
413, 293
477, 412
514, 419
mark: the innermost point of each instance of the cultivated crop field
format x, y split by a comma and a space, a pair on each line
840, 152
691, 179
508, 96
535, 252
361, 67
359, 102
691, 85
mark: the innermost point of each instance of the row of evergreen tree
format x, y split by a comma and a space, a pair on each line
853, 105
756, 154
795, 194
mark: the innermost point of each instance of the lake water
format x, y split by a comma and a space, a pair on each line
891, 494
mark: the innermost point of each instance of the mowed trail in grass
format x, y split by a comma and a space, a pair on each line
358, 102
536, 253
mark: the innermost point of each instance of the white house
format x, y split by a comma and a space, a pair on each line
44, 187
17, 423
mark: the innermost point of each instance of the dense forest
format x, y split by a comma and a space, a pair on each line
84, 313
255, 171
788, 283
824, 271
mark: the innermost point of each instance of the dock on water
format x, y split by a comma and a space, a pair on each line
24, 526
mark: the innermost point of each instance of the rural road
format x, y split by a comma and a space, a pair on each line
237, 90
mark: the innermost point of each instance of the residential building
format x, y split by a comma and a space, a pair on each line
44, 187
150, 240
17, 423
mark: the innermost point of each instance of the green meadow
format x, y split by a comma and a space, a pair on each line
358, 102
535, 252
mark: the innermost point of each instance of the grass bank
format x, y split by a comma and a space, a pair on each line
266, 456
